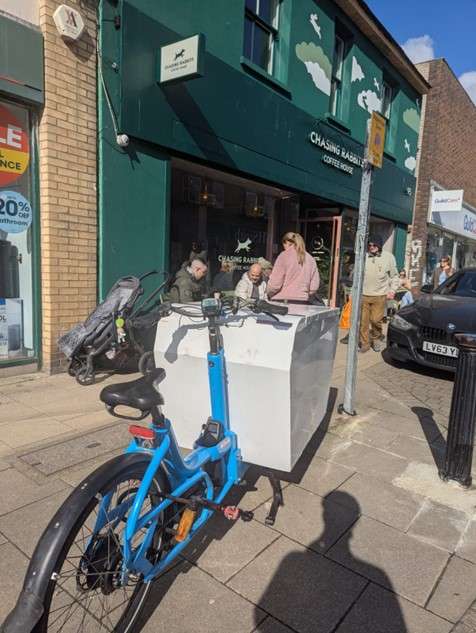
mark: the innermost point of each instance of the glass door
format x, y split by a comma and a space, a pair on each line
322, 237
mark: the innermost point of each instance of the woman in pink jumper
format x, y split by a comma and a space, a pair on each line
295, 276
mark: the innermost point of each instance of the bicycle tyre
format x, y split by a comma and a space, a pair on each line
134, 605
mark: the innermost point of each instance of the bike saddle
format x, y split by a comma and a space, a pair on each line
139, 394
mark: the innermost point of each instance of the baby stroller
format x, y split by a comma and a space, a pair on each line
108, 339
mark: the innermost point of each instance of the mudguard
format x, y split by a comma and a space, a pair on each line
29, 607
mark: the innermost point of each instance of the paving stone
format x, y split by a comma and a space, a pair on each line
2, 539
467, 624
270, 625
18, 490
467, 546
417, 450
88, 421
382, 611
391, 559
11, 412
70, 405
309, 519
254, 491
370, 461
299, 587
74, 476
77, 450
365, 431
322, 477
380, 500
13, 566
188, 600
439, 525
24, 526
30, 431
411, 425
222, 549
456, 590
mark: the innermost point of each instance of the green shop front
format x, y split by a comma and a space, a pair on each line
21, 96
245, 121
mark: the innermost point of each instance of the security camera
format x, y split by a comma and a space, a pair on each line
122, 140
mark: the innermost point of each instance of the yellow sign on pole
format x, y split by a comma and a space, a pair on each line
376, 140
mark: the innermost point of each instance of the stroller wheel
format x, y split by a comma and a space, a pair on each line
146, 363
73, 367
85, 378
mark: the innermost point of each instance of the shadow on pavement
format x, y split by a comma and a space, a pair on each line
311, 594
434, 437
422, 370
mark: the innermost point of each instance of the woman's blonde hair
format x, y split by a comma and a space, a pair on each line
298, 242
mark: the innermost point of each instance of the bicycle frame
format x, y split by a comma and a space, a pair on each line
183, 473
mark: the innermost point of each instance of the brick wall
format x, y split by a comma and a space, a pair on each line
67, 161
448, 156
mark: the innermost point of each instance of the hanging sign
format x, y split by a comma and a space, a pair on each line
376, 140
182, 60
14, 147
451, 200
15, 212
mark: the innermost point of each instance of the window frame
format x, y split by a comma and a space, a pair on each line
272, 30
387, 88
337, 75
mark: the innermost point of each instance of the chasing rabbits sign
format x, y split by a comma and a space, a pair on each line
182, 60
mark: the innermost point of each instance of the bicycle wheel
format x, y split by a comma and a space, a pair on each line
85, 593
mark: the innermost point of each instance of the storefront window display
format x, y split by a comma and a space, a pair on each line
228, 221
16, 233
439, 244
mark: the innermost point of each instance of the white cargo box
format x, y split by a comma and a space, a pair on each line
278, 379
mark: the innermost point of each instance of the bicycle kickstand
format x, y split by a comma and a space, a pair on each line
277, 500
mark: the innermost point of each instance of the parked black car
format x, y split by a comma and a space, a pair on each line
423, 332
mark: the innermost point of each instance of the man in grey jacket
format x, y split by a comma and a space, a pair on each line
189, 283
381, 280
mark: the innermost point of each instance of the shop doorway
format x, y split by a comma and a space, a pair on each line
322, 237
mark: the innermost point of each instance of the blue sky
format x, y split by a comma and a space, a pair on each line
449, 28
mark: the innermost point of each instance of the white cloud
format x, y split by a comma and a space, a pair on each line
319, 77
369, 100
419, 49
357, 72
468, 81
410, 163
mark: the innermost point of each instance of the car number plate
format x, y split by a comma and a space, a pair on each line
443, 350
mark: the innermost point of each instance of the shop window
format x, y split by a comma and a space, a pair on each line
16, 233
261, 32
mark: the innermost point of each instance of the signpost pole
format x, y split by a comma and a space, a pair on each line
373, 157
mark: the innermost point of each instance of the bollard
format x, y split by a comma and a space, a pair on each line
460, 440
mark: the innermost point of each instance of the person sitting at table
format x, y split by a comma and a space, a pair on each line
251, 284
189, 283
295, 277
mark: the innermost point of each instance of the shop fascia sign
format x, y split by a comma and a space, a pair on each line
181, 60
451, 200
336, 154
461, 222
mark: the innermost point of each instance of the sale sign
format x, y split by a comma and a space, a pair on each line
14, 147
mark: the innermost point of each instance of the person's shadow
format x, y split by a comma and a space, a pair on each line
312, 593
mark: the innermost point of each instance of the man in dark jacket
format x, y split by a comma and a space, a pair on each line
189, 283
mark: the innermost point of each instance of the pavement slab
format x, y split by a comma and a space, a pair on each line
31, 430
364, 429
13, 566
323, 477
253, 492
423, 479
223, 549
439, 525
456, 590
467, 545
187, 599
381, 611
380, 500
299, 587
270, 625
368, 460
77, 450
12, 412
309, 519
24, 526
418, 450
18, 490
391, 559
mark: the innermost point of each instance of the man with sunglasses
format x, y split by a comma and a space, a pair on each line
381, 280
